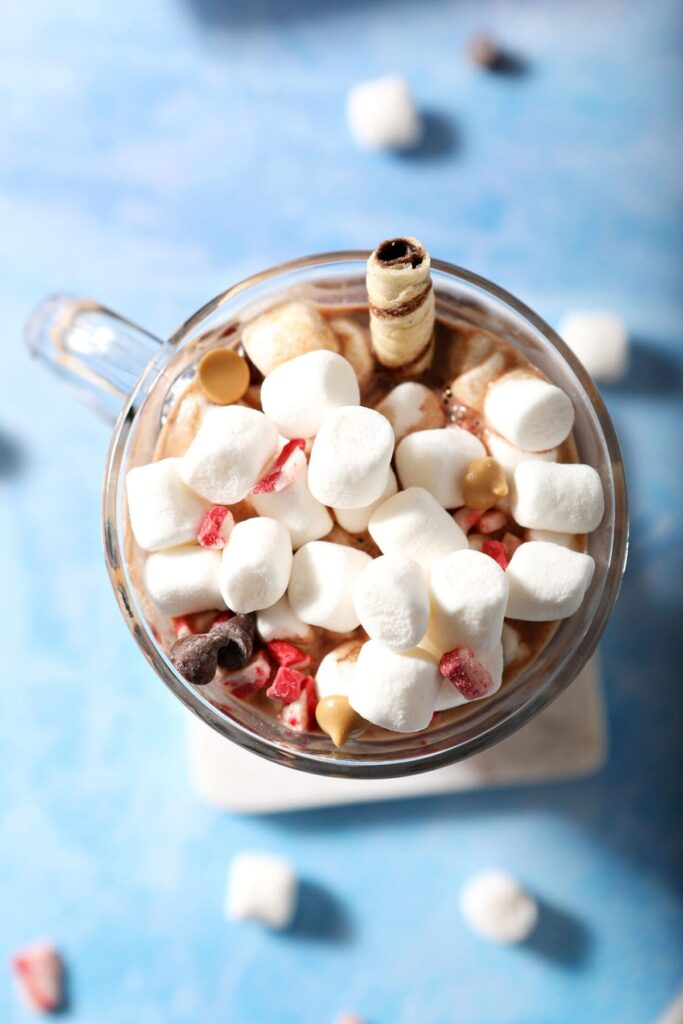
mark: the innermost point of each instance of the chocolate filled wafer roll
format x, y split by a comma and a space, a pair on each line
401, 301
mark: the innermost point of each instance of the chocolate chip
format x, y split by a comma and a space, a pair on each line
195, 657
234, 640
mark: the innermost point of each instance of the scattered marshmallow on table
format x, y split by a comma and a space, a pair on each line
412, 523
337, 669
321, 584
449, 695
411, 406
355, 520
261, 887
437, 460
529, 412
497, 908
229, 453
298, 394
284, 332
565, 497
280, 623
163, 511
546, 582
391, 599
350, 457
600, 340
469, 594
381, 114
256, 564
297, 509
395, 690
184, 580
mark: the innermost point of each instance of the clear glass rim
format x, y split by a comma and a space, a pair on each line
340, 766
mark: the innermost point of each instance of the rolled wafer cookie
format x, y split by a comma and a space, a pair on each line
401, 301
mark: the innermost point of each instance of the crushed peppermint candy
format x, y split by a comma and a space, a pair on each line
299, 715
492, 520
287, 654
288, 467
496, 550
216, 527
287, 685
466, 673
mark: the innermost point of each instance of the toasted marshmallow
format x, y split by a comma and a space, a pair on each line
412, 523
449, 695
509, 456
300, 393
295, 507
261, 887
229, 453
184, 580
350, 458
391, 599
438, 460
321, 585
381, 114
284, 332
280, 623
411, 406
355, 520
496, 907
529, 412
565, 497
469, 594
163, 511
600, 341
395, 690
337, 670
546, 582
470, 387
354, 344
256, 565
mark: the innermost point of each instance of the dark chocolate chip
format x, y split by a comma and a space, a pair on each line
195, 658
234, 640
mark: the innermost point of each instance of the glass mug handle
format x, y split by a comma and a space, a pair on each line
97, 352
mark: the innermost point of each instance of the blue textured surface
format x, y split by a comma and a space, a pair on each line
151, 153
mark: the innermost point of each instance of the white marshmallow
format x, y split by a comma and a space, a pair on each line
529, 412
381, 114
551, 537
546, 582
163, 511
256, 565
470, 387
449, 695
300, 393
295, 507
438, 460
469, 594
395, 690
354, 343
280, 623
391, 599
411, 406
261, 887
355, 520
509, 456
497, 908
184, 580
284, 332
565, 497
514, 648
600, 340
337, 669
230, 452
350, 458
412, 523
321, 584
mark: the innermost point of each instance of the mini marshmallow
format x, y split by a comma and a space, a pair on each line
230, 452
411, 406
412, 523
395, 690
261, 887
546, 582
256, 565
280, 623
529, 412
391, 599
296, 508
321, 584
381, 114
470, 387
299, 394
337, 670
514, 648
284, 332
449, 695
551, 537
355, 520
565, 497
350, 458
163, 511
469, 594
509, 456
184, 580
354, 344
497, 908
438, 460
600, 341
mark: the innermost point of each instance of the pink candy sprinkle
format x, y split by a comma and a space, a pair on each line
468, 675
216, 527
288, 467
287, 685
243, 682
287, 654
298, 715
39, 974
497, 551
492, 520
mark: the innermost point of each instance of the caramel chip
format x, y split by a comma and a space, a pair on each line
223, 376
336, 717
484, 483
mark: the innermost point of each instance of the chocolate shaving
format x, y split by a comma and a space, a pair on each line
235, 640
195, 659
396, 252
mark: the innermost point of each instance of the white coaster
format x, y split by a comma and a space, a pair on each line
565, 741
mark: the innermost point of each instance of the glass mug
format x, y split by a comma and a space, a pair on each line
133, 377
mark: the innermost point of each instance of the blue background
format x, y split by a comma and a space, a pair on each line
152, 153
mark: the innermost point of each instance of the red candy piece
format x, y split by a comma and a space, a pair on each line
467, 518
287, 468
468, 675
287, 685
243, 682
39, 975
511, 543
492, 520
298, 715
287, 654
216, 527
497, 551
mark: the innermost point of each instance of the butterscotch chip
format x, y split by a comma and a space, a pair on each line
338, 720
223, 376
484, 483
